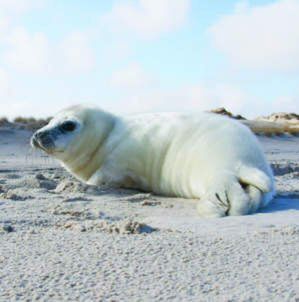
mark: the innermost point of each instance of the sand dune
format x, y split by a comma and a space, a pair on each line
272, 128
274, 124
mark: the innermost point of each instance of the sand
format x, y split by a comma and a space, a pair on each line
61, 240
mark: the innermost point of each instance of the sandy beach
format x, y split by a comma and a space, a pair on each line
61, 240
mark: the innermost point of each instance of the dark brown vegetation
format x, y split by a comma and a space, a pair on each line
24, 123
31, 123
223, 111
281, 116
4, 122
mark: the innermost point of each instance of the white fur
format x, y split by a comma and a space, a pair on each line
205, 156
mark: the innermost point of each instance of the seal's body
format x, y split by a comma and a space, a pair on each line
202, 156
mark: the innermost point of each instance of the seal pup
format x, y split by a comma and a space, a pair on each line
201, 156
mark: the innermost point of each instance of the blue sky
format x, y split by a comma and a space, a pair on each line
131, 56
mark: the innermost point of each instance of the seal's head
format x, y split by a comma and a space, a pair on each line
74, 135
55, 137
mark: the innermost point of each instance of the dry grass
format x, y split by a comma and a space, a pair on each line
4, 121
31, 123
223, 111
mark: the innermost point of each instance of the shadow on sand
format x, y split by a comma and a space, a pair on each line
283, 203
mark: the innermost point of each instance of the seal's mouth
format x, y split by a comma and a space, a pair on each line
44, 141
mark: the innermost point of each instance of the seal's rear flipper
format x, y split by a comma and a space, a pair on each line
240, 194
258, 185
256, 178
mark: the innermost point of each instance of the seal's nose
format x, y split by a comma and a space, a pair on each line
41, 139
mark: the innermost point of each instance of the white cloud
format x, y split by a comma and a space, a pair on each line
5, 89
4, 23
28, 108
76, 53
10, 10
16, 6
33, 53
22, 50
130, 77
286, 104
148, 18
260, 37
27, 52
194, 98
203, 97
138, 91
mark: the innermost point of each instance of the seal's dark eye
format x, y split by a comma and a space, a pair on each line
68, 126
